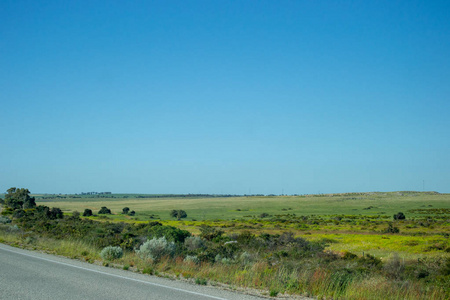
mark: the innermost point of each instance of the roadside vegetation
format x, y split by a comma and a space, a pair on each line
398, 253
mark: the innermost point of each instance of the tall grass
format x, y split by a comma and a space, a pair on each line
308, 281
307, 278
72, 248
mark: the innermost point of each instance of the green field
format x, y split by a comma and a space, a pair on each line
354, 222
229, 208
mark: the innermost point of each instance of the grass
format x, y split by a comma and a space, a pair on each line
229, 208
68, 247
382, 245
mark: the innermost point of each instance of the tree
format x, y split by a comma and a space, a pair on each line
399, 216
125, 210
104, 210
87, 212
55, 213
178, 214
19, 199
181, 214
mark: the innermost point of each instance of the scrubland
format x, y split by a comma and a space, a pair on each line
340, 246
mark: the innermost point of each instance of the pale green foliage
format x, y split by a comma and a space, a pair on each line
246, 258
224, 260
156, 248
192, 258
193, 243
111, 253
4, 220
14, 228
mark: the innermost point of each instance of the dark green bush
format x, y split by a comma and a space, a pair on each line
391, 229
179, 214
171, 233
399, 216
349, 256
201, 281
104, 210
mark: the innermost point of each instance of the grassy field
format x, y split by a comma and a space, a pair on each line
354, 222
229, 208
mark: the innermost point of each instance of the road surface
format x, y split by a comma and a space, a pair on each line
32, 275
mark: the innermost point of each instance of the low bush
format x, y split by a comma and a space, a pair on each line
171, 233
156, 248
201, 281
193, 243
4, 220
111, 253
192, 258
391, 229
209, 233
399, 216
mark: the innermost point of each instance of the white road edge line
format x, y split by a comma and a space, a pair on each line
114, 275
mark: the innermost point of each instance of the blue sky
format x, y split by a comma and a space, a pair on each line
235, 97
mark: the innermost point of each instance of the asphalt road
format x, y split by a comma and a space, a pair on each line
34, 275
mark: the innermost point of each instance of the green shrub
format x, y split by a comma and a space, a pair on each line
201, 281
370, 261
246, 258
7, 211
87, 212
399, 216
178, 214
169, 232
349, 256
193, 243
104, 210
156, 248
4, 220
14, 229
111, 253
192, 258
273, 293
209, 233
391, 229
19, 213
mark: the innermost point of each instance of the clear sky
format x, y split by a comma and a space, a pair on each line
237, 97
